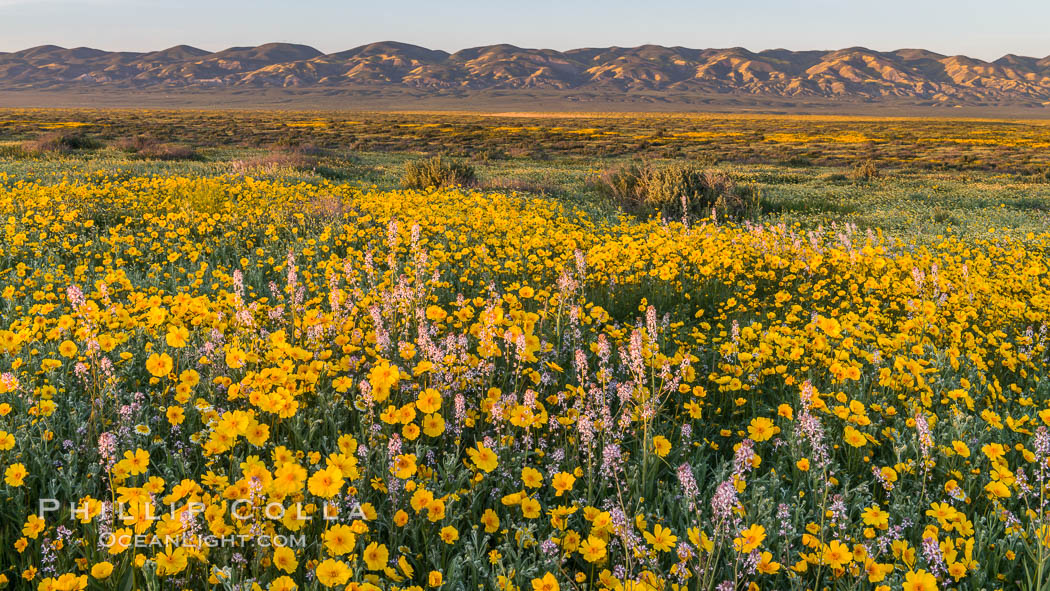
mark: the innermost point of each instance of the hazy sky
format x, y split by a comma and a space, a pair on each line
978, 28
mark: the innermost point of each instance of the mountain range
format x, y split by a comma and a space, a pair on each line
856, 73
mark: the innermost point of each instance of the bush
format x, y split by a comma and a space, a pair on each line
506, 184
706, 159
942, 215
865, 171
489, 155
147, 148
275, 162
437, 172
62, 142
132, 144
799, 161
679, 190
14, 152
169, 152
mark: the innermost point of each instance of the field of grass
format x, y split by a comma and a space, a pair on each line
241, 355
906, 203
1008, 146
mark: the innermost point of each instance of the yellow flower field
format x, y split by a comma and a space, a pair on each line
242, 384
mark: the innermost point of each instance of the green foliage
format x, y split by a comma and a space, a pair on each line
679, 190
437, 172
147, 148
15, 152
866, 171
62, 142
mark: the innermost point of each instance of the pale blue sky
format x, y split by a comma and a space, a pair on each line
983, 29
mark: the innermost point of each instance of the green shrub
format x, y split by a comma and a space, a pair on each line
489, 154
62, 142
942, 215
706, 159
865, 171
678, 190
799, 161
275, 163
147, 148
14, 152
437, 172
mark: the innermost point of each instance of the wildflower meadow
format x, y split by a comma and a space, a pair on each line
262, 383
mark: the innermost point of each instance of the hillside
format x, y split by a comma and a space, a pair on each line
675, 74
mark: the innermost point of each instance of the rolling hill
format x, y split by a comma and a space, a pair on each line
650, 72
